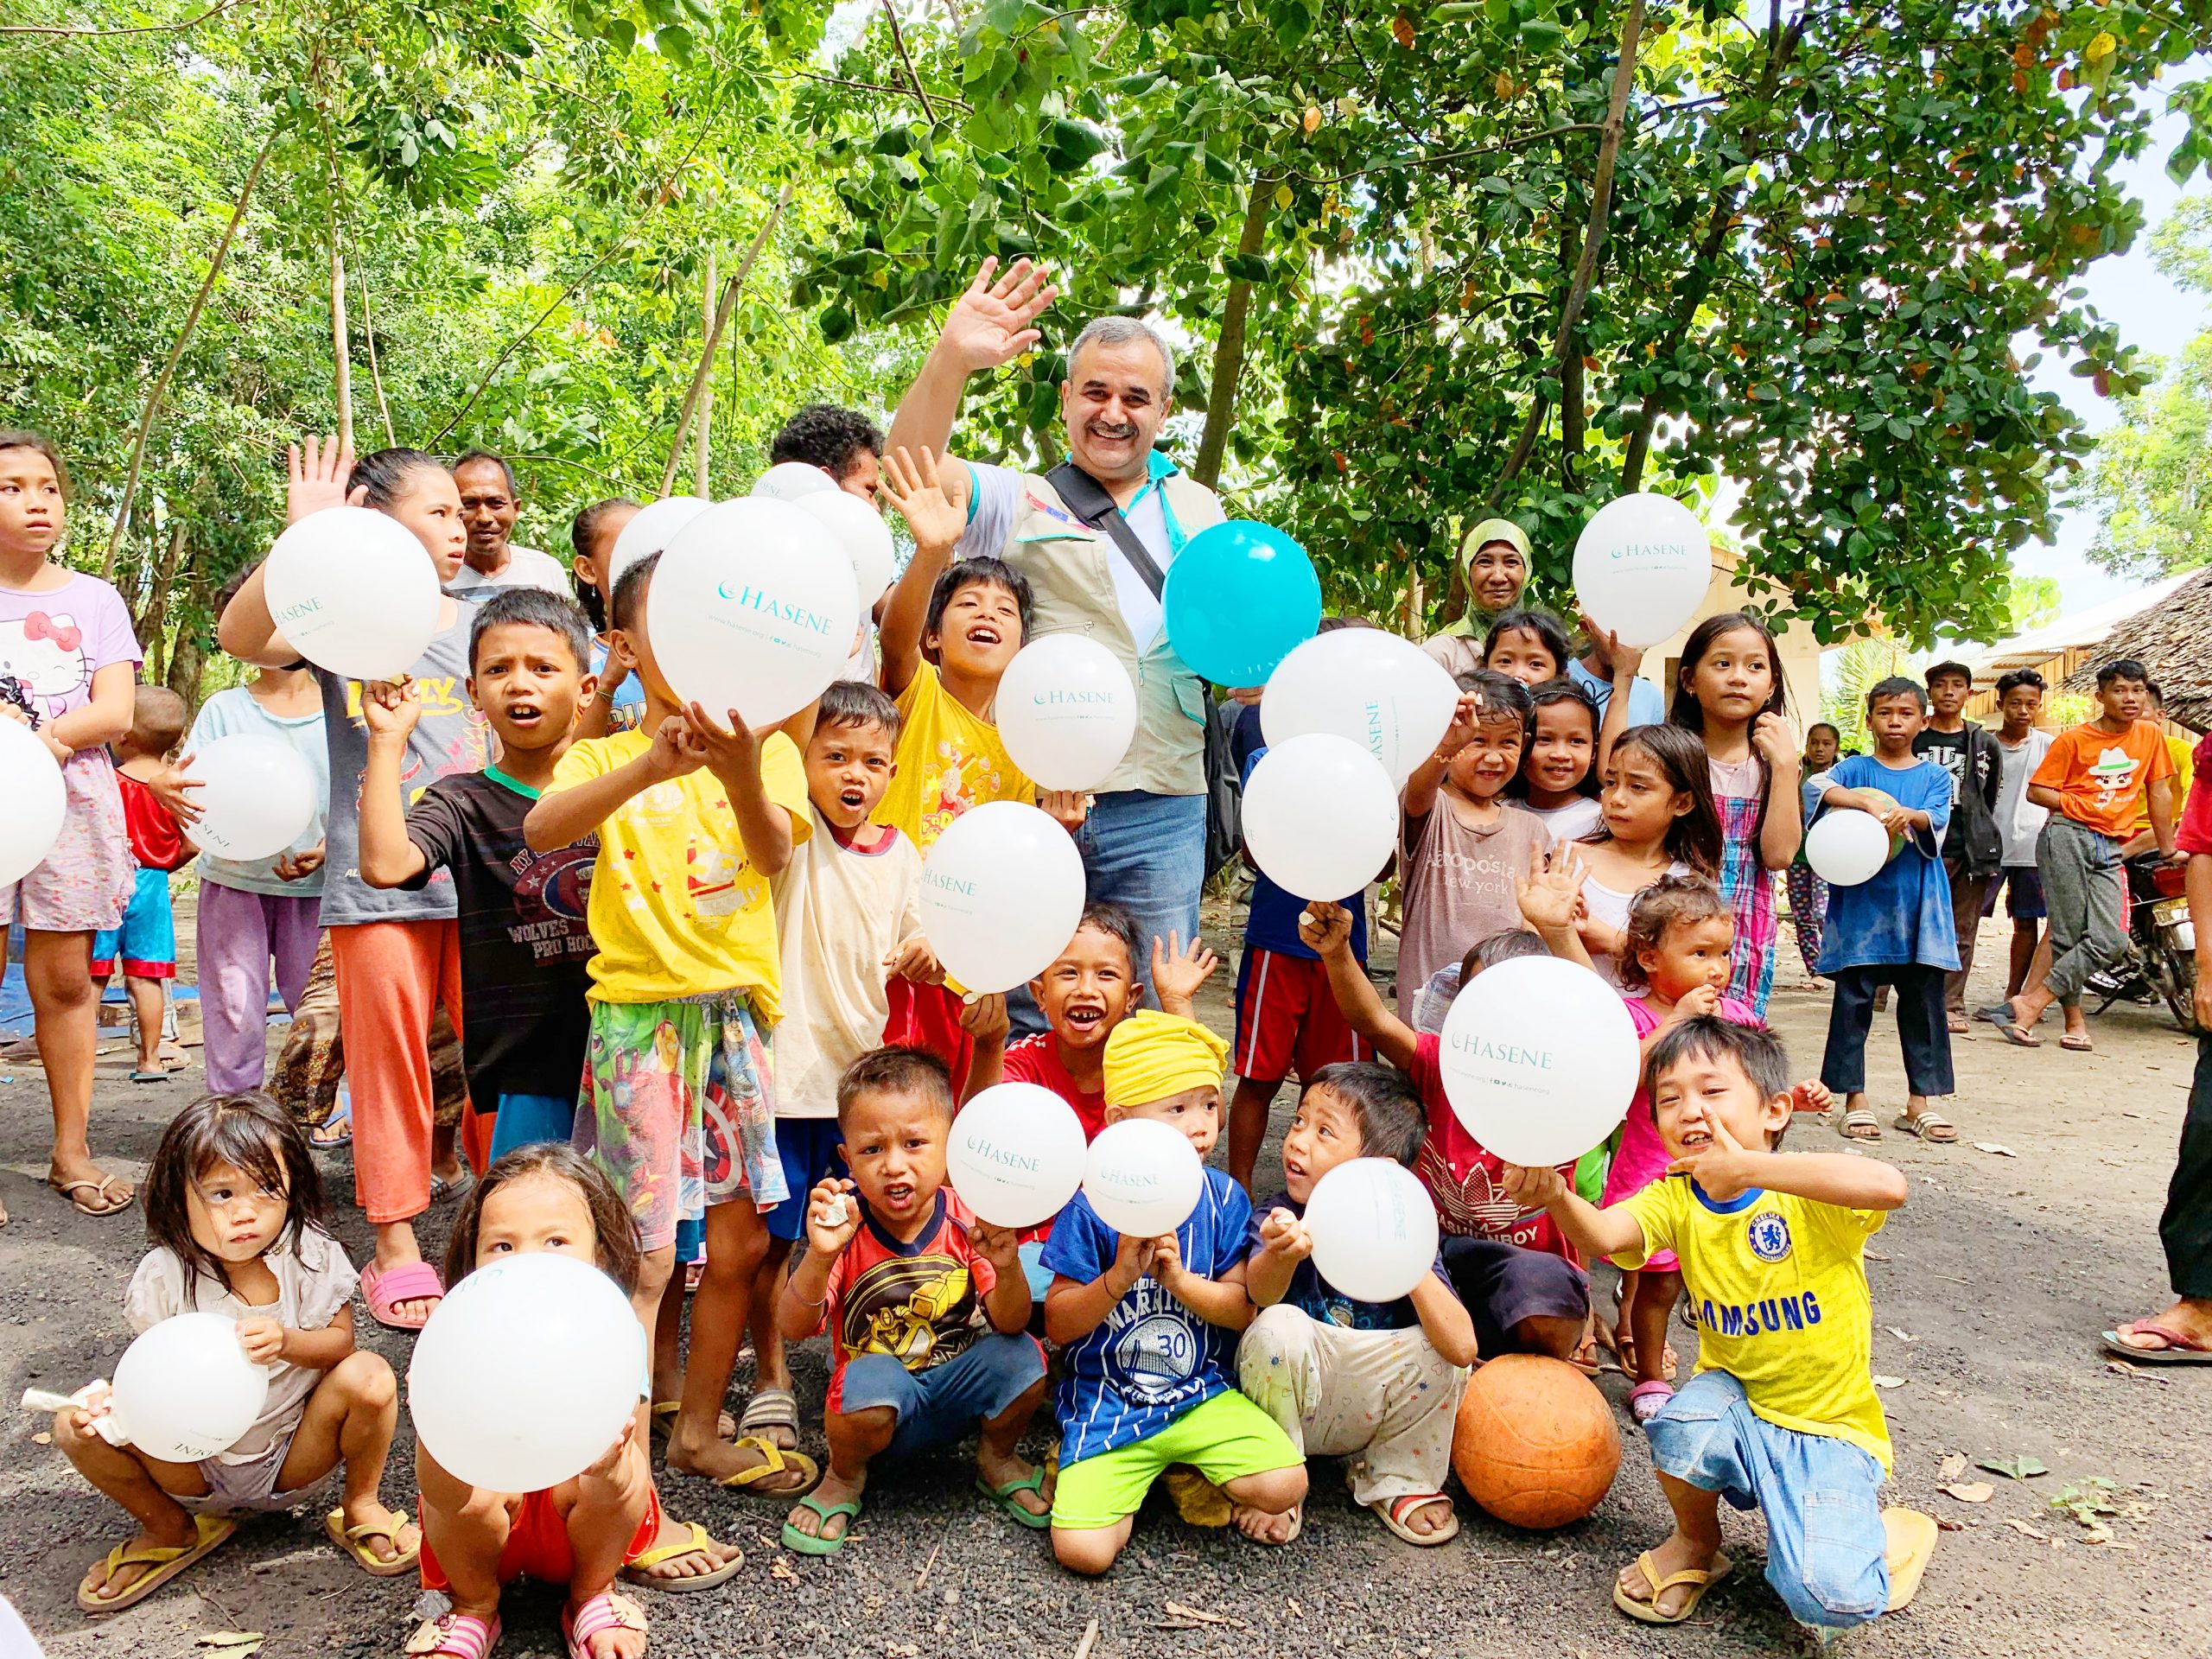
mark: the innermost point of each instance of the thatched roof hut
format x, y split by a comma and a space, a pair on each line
2173, 640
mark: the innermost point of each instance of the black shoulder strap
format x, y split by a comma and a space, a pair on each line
1088, 499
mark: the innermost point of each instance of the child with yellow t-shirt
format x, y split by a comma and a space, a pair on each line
693, 819
1782, 1415
949, 632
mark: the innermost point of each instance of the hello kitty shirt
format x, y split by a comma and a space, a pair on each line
52, 643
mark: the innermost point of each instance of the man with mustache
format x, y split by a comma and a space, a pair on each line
1144, 843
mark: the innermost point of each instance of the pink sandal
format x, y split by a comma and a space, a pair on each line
458, 1636
607, 1611
1647, 1400
415, 1283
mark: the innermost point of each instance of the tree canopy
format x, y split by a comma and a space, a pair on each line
1435, 260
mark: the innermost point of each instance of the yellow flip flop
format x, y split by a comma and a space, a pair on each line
1647, 1612
696, 1539
209, 1532
354, 1541
1912, 1542
776, 1460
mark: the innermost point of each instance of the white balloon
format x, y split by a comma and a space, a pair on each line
1016, 1154
354, 592
1539, 1059
751, 607
30, 783
860, 529
526, 1372
1642, 566
255, 796
1383, 693
653, 527
789, 481
1002, 890
1373, 1229
185, 1390
1066, 711
1847, 847
1143, 1177
1320, 815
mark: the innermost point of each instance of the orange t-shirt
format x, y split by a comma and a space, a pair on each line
2100, 776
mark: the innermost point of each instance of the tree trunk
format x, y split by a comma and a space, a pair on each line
341, 355
151, 625
376, 374
706, 369
176, 352
1229, 345
702, 434
1593, 242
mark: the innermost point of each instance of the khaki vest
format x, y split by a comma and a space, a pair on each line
1065, 560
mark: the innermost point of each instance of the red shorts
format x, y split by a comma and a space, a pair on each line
538, 1544
1286, 1021
928, 1017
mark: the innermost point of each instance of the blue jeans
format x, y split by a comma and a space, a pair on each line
1826, 1554
943, 1405
1147, 853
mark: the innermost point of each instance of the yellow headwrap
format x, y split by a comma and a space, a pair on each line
1494, 529
1151, 1056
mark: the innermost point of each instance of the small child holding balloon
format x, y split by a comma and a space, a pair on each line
234, 1207
1149, 1327
584, 1531
1896, 928
925, 1306
694, 820
1376, 1382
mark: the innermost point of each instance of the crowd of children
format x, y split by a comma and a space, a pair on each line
701, 1027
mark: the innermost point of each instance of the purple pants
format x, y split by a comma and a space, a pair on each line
240, 934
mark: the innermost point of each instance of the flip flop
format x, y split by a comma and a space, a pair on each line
109, 1204
354, 1541
444, 1192
2179, 1349
1647, 1612
417, 1281
775, 1461
461, 1635
813, 1543
1392, 1512
209, 1532
322, 1137
697, 1541
1035, 1520
2019, 1035
150, 1077
2074, 1045
663, 1420
1925, 1127
1911, 1543
770, 1408
607, 1611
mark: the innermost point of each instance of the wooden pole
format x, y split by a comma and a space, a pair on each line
702, 434
177, 353
714, 338
376, 374
343, 388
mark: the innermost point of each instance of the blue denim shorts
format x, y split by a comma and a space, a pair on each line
1827, 1548
943, 1405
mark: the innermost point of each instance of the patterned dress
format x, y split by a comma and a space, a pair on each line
1746, 882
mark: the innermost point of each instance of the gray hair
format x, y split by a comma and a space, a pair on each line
1115, 330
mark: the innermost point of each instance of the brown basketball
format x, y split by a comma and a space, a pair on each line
1535, 1443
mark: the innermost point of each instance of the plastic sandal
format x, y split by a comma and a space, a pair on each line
354, 1541
1859, 1125
416, 1282
461, 1635
1393, 1515
1911, 1542
607, 1611
813, 1543
1925, 1127
1647, 1612
775, 1461
697, 1541
2178, 1351
1647, 1400
769, 1409
1036, 1520
665, 1414
209, 1532
109, 1204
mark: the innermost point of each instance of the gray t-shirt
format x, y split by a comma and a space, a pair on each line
451, 736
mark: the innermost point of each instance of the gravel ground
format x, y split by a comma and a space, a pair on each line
1990, 1287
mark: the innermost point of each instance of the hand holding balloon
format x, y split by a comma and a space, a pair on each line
171, 786
676, 749
1167, 1269
1283, 1236
912, 958
262, 1340
1069, 808
999, 1246
1133, 1259
1325, 928
1534, 1186
389, 709
985, 1020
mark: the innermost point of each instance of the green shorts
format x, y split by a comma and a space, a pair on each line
1223, 1438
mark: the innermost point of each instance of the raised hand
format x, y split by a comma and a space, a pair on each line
990, 324
728, 751
1534, 1186
389, 709
314, 478
932, 500
1324, 927
985, 1020
1549, 895
1177, 971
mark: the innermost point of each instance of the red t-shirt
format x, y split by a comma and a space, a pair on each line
1466, 1179
1037, 1060
156, 842
920, 1303
2195, 835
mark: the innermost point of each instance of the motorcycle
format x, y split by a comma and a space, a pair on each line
2161, 962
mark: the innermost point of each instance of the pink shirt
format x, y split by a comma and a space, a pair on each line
52, 643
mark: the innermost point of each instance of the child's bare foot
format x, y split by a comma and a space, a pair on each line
1677, 1554
681, 1550
1263, 1528
750, 1464
1005, 1474
808, 1520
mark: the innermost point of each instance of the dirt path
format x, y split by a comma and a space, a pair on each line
1992, 1284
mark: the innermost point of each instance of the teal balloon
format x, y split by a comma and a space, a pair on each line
1239, 596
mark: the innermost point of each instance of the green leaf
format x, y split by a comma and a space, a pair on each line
2018, 1467
1245, 267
